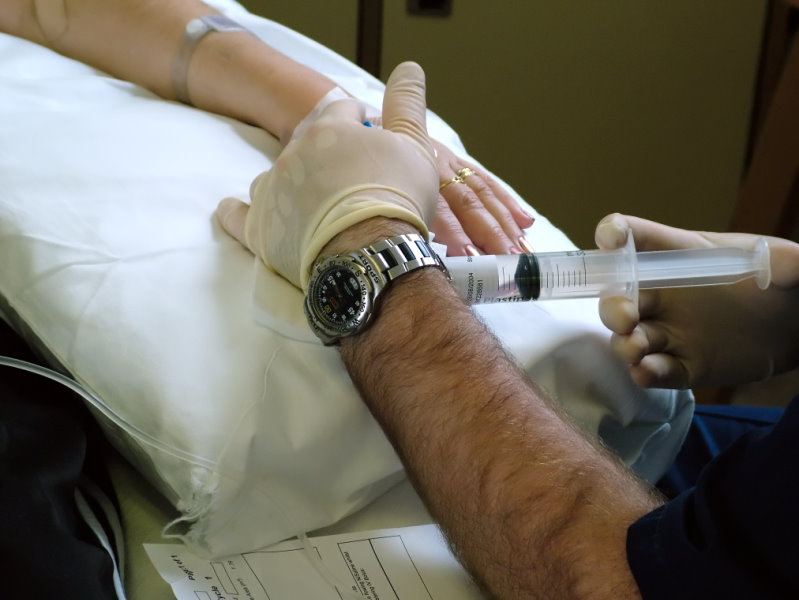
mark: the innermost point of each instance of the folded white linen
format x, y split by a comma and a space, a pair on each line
111, 262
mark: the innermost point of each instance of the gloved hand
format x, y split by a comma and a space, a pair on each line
714, 335
334, 95
476, 215
339, 173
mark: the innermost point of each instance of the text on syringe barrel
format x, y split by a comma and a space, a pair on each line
542, 276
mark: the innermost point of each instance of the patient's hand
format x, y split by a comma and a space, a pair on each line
712, 335
477, 213
473, 213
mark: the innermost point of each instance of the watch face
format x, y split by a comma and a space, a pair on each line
340, 297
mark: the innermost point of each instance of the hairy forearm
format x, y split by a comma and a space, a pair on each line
137, 40
532, 507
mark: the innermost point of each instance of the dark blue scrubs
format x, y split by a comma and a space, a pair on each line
732, 531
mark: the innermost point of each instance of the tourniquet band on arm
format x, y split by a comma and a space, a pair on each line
196, 30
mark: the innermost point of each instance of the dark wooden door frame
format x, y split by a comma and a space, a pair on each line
368, 52
769, 194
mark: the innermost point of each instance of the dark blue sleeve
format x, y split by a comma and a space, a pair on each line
734, 535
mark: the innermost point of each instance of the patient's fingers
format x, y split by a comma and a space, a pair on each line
495, 207
449, 231
494, 191
232, 215
489, 218
485, 232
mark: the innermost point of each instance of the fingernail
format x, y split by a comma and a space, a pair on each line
471, 250
525, 244
515, 250
611, 232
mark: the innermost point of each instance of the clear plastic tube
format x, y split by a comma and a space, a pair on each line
595, 273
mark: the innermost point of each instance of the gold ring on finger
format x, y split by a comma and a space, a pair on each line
460, 177
444, 184
464, 173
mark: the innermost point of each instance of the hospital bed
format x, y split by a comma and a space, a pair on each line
231, 435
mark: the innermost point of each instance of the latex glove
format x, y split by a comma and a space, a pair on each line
339, 173
712, 335
478, 214
334, 95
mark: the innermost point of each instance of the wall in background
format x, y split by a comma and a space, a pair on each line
590, 107
584, 107
332, 23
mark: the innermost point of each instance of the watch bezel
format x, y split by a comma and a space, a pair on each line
325, 329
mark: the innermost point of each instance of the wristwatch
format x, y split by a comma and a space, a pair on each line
343, 289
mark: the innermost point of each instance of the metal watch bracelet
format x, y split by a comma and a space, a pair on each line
402, 253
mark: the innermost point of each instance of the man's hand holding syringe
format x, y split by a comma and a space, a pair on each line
688, 308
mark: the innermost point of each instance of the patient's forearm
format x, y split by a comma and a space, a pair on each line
137, 40
530, 505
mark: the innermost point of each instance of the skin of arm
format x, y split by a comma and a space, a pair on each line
233, 74
236, 75
531, 506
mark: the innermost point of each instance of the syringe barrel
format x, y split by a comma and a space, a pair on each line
541, 276
595, 273
485, 279
585, 274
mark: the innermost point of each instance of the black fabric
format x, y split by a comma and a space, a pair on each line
733, 535
46, 436
714, 428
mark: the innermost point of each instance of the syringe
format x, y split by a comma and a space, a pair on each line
595, 273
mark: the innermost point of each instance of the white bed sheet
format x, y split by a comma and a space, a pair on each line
111, 262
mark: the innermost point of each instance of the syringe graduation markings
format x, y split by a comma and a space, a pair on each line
593, 273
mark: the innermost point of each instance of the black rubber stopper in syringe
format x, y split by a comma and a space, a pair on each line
528, 277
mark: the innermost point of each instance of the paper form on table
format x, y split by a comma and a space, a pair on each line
409, 563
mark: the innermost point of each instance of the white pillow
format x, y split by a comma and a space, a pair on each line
111, 262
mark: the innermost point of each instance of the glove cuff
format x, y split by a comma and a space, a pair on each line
351, 212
